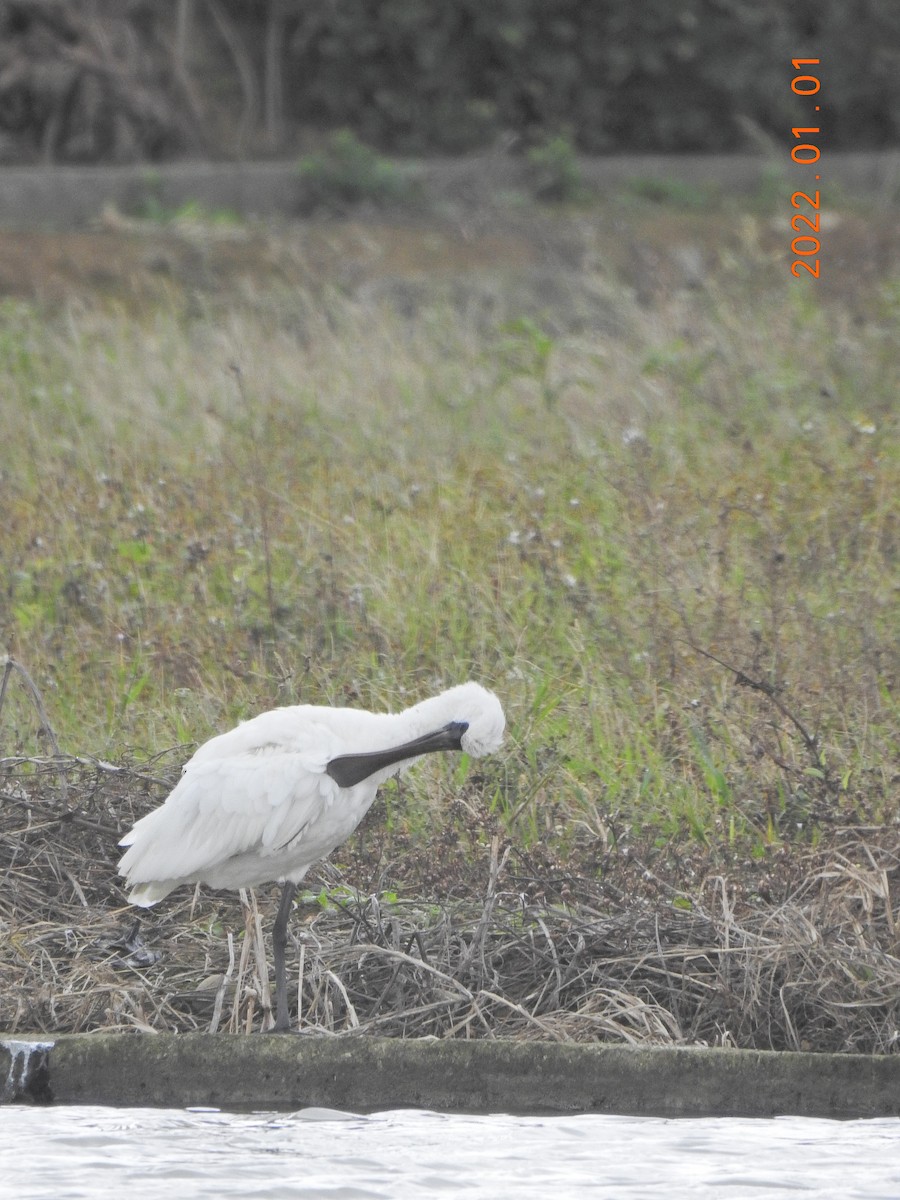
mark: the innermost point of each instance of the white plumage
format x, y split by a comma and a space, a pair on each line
263, 802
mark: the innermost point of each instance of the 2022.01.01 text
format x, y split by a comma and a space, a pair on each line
806, 153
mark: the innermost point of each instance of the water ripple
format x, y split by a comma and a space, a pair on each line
153, 1154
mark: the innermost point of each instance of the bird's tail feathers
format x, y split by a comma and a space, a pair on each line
145, 895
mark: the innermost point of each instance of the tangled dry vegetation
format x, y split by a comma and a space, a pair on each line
800, 952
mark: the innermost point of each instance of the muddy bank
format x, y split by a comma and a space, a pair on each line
371, 1074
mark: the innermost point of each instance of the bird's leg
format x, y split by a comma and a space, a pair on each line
279, 943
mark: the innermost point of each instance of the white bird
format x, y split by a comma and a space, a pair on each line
263, 802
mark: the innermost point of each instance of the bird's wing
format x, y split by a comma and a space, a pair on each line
295, 730
246, 803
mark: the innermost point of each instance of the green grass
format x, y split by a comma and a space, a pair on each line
346, 172
380, 505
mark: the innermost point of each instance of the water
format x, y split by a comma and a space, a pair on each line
168, 1154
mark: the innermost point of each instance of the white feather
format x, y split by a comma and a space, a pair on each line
255, 805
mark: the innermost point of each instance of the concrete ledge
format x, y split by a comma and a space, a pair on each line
368, 1074
71, 197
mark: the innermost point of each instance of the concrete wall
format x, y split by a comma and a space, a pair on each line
368, 1074
67, 197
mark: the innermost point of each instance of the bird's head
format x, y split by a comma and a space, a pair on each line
467, 718
479, 710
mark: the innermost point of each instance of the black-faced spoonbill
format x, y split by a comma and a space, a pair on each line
263, 802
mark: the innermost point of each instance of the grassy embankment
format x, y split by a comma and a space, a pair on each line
658, 518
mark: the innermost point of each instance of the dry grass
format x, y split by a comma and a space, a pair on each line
611, 462
505, 953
